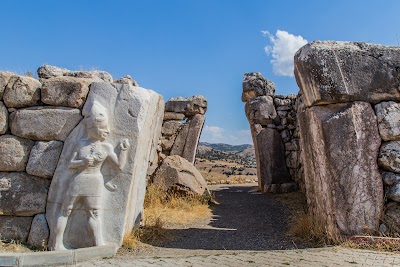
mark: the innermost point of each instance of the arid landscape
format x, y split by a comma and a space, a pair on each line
226, 164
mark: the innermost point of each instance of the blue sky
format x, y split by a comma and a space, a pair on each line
185, 48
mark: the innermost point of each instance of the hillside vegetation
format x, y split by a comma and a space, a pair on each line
223, 163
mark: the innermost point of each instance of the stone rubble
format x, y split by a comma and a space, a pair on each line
179, 175
182, 125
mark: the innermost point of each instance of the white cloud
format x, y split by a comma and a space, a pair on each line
215, 134
282, 49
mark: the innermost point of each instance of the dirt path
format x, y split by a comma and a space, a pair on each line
244, 220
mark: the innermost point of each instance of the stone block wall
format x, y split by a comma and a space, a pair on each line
273, 124
349, 131
183, 122
36, 117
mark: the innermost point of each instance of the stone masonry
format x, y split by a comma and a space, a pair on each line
36, 118
349, 131
274, 130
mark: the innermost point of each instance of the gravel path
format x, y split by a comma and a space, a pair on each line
244, 220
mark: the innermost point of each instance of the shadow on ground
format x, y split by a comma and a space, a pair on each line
244, 220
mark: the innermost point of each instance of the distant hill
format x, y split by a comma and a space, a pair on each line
226, 147
243, 154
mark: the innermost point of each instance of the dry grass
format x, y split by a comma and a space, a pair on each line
302, 225
305, 227
13, 246
164, 211
374, 243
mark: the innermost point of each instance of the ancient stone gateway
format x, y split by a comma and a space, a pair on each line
340, 134
77, 149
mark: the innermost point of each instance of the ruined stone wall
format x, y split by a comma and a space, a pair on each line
350, 134
183, 122
275, 136
36, 117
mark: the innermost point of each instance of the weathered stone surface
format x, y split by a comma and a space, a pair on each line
47, 71
282, 102
254, 84
4, 79
167, 143
344, 187
392, 216
39, 233
15, 228
334, 72
393, 192
173, 116
3, 118
155, 142
176, 173
22, 91
127, 79
388, 115
22, 194
188, 138
113, 144
65, 91
171, 127
14, 153
389, 156
270, 156
43, 158
390, 178
188, 106
261, 110
44, 123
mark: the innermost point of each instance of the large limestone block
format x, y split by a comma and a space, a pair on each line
14, 153
340, 146
173, 116
178, 174
97, 192
43, 158
388, 115
65, 91
171, 127
22, 194
22, 91
188, 138
3, 118
261, 110
39, 233
15, 228
48, 71
389, 156
189, 106
44, 123
254, 84
154, 146
5, 77
334, 72
271, 166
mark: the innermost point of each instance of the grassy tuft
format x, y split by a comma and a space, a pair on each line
387, 244
13, 246
163, 211
305, 227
